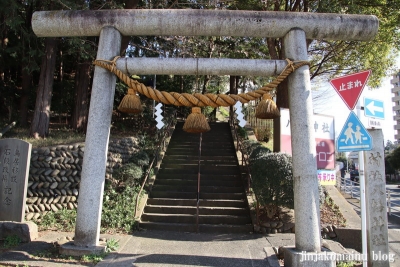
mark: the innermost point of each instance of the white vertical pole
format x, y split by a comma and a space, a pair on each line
363, 208
362, 199
87, 230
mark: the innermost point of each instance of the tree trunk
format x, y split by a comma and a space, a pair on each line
129, 4
233, 83
23, 103
181, 84
205, 83
81, 107
41, 116
26, 74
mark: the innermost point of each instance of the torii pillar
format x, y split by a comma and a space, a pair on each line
90, 201
306, 195
87, 229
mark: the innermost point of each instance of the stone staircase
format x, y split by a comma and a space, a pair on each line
223, 204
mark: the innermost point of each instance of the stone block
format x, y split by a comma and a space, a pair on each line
26, 231
296, 258
77, 251
349, 238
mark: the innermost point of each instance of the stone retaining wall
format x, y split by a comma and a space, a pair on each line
55, 174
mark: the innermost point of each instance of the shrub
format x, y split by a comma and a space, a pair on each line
322, 194
250, 145
263, 134
273, 180
257, 153
131, 174
147, 141
118, 210
242, 133
140, 158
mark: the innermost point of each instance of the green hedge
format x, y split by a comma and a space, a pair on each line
272, 179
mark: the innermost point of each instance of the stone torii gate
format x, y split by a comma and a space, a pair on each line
293, 27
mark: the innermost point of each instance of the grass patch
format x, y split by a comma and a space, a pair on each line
11, 241
56, 136
93, 258
112, 245
53, 254
348, 264
61, 220
61, 134
117, 215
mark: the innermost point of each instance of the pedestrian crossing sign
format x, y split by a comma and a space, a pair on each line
354, 136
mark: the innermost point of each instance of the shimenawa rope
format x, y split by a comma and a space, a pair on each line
198, 100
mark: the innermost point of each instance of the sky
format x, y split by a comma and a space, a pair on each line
330, 103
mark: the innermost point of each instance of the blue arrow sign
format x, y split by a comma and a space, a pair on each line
374, 108
354, 136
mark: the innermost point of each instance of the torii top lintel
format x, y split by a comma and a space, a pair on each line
194, 22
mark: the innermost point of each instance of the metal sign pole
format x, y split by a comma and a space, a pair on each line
362, 200
363, 207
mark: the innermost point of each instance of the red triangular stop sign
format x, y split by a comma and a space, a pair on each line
349, 87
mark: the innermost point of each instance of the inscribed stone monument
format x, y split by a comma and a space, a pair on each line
375, 190
15, 157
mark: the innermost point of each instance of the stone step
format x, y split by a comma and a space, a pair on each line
193, 182
204, 170
186, 164
172, 202
213, 133
195, 165
191, 219
203, 228
183, 142
203, 189
193, 195
204, 176
204, 153
184, 139
192, 210
180, 142
184, 159
192, 202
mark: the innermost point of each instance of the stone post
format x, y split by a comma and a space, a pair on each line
90, 199
375, 189
306, 196
15, 158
